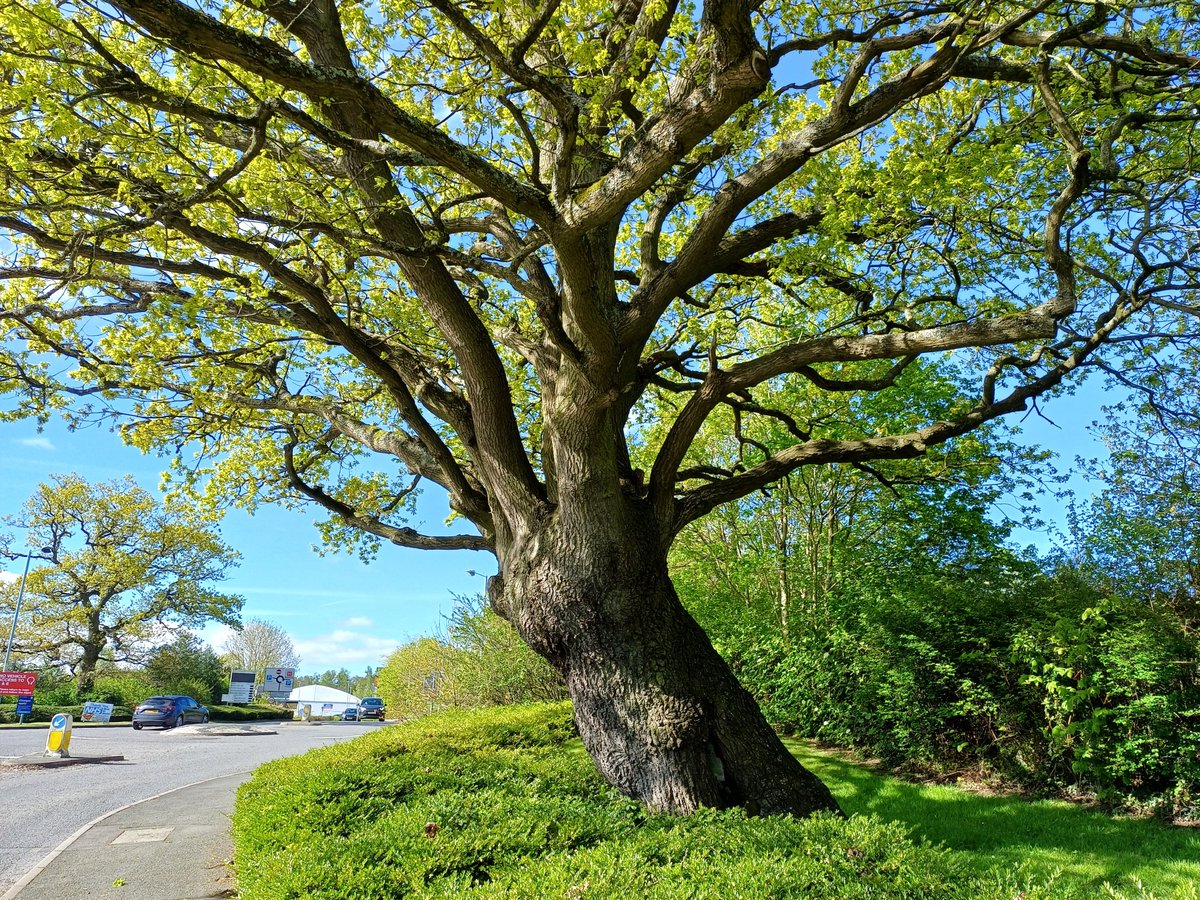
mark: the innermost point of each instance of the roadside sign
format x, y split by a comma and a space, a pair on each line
241, 686
96, 712
59, 738
25, 705
17, 683
278, 679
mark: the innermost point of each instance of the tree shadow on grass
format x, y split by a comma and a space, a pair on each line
1035, 837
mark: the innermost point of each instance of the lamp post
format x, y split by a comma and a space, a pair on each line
12, 632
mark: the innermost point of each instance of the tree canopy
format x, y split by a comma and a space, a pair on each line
257, 645
339, 249
123, 573
412, 230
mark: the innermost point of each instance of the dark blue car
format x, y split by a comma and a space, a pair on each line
168, 711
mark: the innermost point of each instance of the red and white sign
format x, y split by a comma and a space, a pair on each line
17, 683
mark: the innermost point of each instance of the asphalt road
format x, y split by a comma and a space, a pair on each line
40, 808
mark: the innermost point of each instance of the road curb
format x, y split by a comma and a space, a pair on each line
42, 761
33, 873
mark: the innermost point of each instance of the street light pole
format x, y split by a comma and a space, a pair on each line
12, 632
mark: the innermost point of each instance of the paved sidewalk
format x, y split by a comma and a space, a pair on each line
175, 846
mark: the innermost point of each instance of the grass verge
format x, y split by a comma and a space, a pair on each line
505, 803
1073, 850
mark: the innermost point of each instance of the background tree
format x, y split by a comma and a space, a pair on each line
257, 645
124, 573
479, 661
490, 665
785, 551
188, 666
346, 248
413, 679
364, 685
1140, 536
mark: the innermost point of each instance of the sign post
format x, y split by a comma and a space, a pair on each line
19, 685
59, 738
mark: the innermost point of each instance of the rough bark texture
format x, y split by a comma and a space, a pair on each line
657, 707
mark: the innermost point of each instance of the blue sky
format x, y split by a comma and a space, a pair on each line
338, 611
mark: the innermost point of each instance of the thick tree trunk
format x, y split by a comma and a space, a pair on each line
658, 709
93, 646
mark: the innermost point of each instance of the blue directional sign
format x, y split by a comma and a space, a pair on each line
24, 706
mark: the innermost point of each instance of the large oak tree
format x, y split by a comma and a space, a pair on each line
343, 248
122, 574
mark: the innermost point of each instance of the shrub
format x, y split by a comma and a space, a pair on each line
1120, 693
122, 688
480, 662
504, 803
246, 713
44, 712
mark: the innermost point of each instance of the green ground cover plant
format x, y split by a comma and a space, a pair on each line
505, 803
1066, 849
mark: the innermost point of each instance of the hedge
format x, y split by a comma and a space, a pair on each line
45, 712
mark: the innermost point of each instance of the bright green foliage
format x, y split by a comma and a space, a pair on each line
1140, 537
333, 249
480, 662
780, 556
913, 667
1120, 688
895, 620
120, 568
125, 688
413, 682
504, 803
1050, 848
188, 667
492, 666
1037, 678
537, 253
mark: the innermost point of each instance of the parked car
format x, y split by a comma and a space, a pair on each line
350, 714
371, 708
168, 711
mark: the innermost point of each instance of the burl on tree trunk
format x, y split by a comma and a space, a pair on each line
657, 707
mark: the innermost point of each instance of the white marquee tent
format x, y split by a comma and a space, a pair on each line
324, 701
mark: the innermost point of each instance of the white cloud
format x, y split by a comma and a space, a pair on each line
358, 622
344, 648
215, 635
37, 443
9, 577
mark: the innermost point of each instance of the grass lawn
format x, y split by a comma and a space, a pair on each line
1035, 838
503, 804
